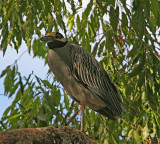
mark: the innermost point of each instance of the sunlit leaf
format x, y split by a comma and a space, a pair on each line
145, 132
137, 136
66, 101
15, 116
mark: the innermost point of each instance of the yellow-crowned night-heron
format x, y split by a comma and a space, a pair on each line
83, 78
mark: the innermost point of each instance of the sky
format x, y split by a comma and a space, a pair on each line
26, 64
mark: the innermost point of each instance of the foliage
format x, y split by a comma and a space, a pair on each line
128, 45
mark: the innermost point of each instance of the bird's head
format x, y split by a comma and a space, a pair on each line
54, 40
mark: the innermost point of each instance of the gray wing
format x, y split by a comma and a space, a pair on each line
91, 74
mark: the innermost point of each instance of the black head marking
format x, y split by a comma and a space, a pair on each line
59, 35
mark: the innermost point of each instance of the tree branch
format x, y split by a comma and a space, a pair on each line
45, 135
96, 45
73, 117
69, 112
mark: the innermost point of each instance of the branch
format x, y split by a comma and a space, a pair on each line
73, 117
1, 122
156, 56
69, 112
45, 135
96, 45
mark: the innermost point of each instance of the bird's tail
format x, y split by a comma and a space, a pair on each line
111, 114
108, 113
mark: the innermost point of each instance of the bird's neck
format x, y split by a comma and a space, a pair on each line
57, 44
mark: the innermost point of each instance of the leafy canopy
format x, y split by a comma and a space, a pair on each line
125, 37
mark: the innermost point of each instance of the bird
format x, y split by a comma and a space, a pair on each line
82, 76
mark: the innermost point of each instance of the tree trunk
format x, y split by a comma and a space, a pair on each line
44, 135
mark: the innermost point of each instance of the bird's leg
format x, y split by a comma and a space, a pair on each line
82, 115
82, 119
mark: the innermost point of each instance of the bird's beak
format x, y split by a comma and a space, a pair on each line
47, 39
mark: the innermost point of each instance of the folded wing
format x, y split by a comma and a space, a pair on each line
91, 74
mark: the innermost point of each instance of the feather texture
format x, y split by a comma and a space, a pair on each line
92, 75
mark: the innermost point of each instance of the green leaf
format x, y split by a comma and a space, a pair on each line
109, 41
57, 6
141, 79
124, 20
13, 89
113, 16
50, 22
86, 13
145, 132
95, 49
9, 80
141, 25
78, 22
7, 111
137, 136
88, 47
15, 116
39, 49
154, 7
60, 21
4, 39
56, 96
38, 80
130, 134
4, 71
47, 108
41, 116
137, 69
90, 30
101, 47
71, 22
129, 89
36, 105
47, 84
66, 101
143, 97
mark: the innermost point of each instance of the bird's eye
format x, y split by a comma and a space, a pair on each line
57, 36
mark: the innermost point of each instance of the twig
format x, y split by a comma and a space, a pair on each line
100, 41
21, 84
73, 117
21, 56
126, 72
3, 125
127, 123
156, 56
69, 112
157, 138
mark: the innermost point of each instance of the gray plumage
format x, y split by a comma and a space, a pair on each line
84, 79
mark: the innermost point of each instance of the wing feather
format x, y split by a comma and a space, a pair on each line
90, 73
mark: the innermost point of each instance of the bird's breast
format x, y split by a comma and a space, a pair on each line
73, 88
